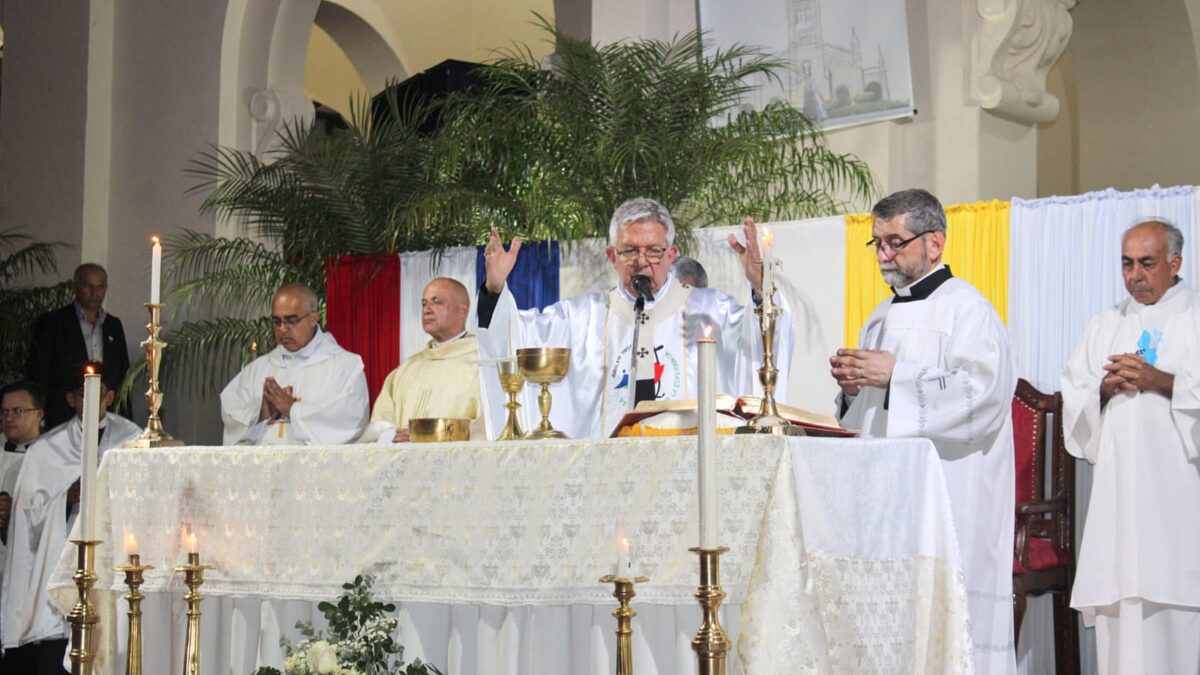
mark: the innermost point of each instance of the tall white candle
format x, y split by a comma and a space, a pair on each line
155, 270
706, 413
91, 428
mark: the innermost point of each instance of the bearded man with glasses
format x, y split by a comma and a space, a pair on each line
599, 327
934, 362
306, 391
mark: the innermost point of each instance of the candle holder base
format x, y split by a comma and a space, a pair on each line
779, 427
623, 591
711, 643
154, 436
133, 579
83, 616
193, 577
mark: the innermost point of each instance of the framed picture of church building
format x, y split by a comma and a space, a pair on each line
848, 59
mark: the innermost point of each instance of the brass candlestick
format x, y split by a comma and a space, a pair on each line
623, 592
133, 579
711, 643
512, 382
83, 615
193, 576
768, 420
154, 436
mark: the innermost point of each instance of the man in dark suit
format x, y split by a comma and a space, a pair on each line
67, 338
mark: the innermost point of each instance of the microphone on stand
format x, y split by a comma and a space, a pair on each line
641, 284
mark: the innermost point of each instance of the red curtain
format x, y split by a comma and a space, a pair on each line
362, 310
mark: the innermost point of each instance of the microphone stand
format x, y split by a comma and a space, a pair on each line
639, 306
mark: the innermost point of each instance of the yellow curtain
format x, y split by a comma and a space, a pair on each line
976, 250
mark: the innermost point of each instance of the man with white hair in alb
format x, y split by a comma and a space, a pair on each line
599, 327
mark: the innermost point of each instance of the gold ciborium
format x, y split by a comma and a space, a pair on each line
512, 382
438, 429
544, 366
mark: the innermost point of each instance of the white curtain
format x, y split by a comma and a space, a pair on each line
417, 270
1065, 269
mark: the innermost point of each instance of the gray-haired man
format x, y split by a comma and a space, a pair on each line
599, 327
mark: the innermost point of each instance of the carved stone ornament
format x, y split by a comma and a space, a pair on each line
1013, 47
271, 109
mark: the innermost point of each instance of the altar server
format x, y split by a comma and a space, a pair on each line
45, 505
598, 327
1131, 407
441, 380
306, 391
933, 361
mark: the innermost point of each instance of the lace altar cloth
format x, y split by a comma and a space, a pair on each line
842, 552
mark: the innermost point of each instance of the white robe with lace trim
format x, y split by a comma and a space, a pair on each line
1142, 536
598, 328
953, 383
39, 528
328, 380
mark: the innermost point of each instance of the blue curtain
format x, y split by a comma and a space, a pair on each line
534, 279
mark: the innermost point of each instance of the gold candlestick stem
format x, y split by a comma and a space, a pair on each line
83, 615
711, 643
512, 382
193, 577
623, 591
133, 579
154, 436
768, 420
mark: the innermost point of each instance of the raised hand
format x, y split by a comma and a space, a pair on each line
498, 262
751, 257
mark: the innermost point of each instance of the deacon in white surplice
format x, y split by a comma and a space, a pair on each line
598, 327
306, 391
933, 361
1131, 407
45, 506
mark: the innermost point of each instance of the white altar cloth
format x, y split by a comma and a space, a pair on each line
842, 559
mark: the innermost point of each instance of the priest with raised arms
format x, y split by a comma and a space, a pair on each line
306, 391
599, 327
1131, 407
933, 361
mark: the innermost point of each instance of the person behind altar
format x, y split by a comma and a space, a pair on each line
33, 632
441, 380
598, 327
306, 391
1131, 402
934, 362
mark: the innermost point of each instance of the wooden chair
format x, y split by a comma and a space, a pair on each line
1044, 553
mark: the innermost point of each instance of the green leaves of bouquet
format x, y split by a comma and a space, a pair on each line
360, 640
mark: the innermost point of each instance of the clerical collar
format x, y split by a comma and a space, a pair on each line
307, 350
924, 287
657, 296
18, 448
434, 344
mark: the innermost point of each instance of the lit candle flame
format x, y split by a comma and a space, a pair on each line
254, 346
131, 545
154, 239
768, 238
708, 329
189, 539
89, 370
625, 545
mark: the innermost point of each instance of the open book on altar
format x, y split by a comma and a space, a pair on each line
678, 418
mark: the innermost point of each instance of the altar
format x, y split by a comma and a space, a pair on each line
843, 556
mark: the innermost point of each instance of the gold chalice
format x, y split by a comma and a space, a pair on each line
512, 382
544, 366
438, 429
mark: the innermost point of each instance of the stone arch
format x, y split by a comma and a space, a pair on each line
366, 38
